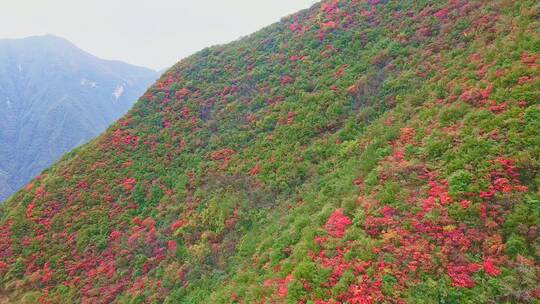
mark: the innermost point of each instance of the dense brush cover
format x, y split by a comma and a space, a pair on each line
356, 152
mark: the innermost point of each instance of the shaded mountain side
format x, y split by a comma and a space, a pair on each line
54, 97
354, 152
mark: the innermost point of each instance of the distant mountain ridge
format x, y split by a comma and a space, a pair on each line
54, 97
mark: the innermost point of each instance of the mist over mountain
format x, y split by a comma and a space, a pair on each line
54, 97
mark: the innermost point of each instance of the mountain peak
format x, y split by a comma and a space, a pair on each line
46, 38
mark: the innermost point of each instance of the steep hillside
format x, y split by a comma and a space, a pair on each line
355, 152
54, 97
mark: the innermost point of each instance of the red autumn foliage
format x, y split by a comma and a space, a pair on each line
520, 188
295, 58
367, 292
407, 135
290, 118
46, 275
223, 156
367, 13
481, 73
115, 235
5, 239
149, 222
483, 212
40, 193
509, 166
226, 91
255, 170
121, 138
328, 25
177, 224
184, 92
285, 80
502, 184
30, 209
282, 285
524, 79
490, 268
3, 267
398, 155
475, 57
486, 93
471, 96
461, 274
335, 262
232, 220
172, 246
186, 112
330, 7
529, 60
298, 28
442, 14
337, 223
465, 204
29, 186
498, 108
352, 90
341, 71
129, 183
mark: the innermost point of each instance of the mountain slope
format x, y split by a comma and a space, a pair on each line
356, 152
54, 97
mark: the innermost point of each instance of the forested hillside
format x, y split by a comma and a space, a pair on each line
356, 152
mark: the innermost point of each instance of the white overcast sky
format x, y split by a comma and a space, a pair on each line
151, 33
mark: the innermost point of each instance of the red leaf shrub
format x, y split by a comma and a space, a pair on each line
255, 170
290, 118
529, 60
328, 25
115, 235
281, 284
337, 223
182, 93
285, 80
461, 274
172, 246
330, 7
121, 138
490, 268
30, 209
442, 14
341, 71
129, 183
177, 224
407, 135
465, 204
498, 108
46, 275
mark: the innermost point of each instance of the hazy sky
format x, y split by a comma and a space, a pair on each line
152, 33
